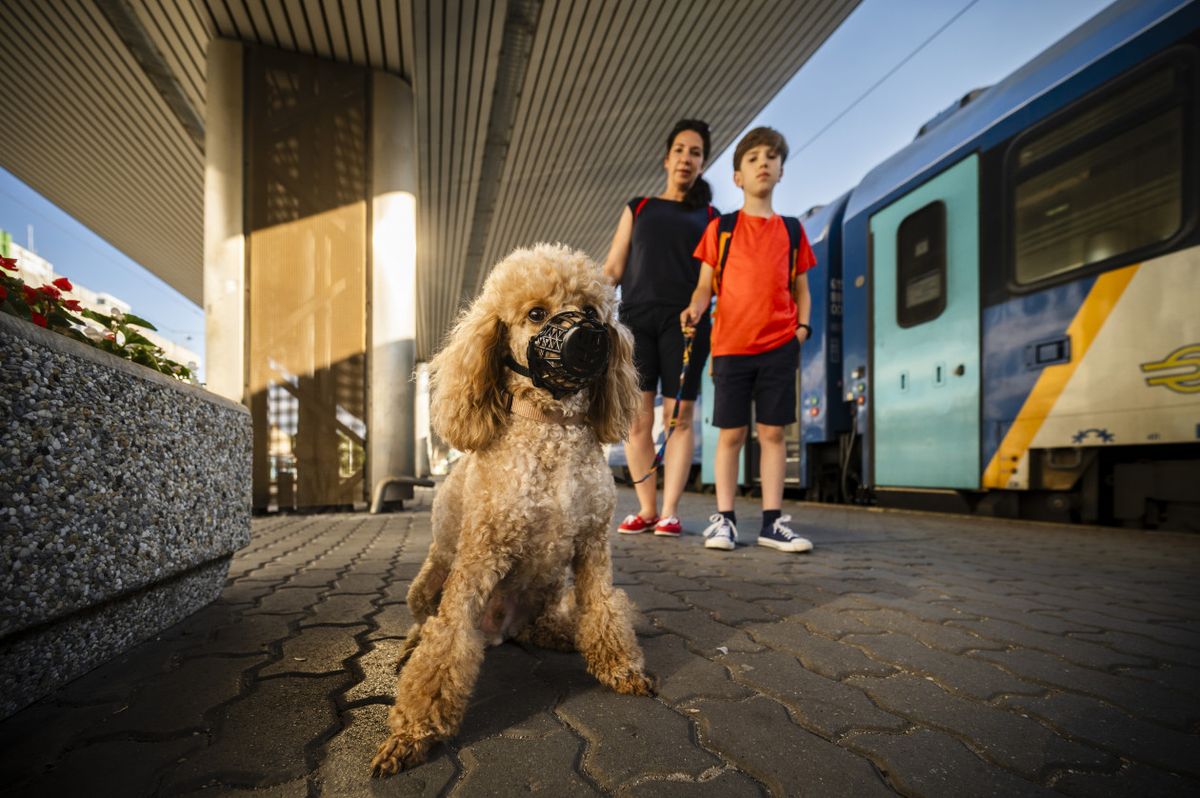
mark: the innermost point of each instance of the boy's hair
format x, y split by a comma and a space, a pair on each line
756, 138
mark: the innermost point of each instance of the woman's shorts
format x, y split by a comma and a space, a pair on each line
658, 349
768, 379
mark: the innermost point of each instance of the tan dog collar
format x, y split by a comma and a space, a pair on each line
526, 409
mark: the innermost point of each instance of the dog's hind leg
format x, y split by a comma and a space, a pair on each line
436, 683
605, 633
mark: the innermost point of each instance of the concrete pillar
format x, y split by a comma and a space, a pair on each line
391, 442
224, 232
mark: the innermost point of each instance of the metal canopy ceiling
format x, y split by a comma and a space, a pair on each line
536, 119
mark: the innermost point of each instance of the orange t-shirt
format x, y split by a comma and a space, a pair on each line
755, 310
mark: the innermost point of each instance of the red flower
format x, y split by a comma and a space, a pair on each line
38, 319
72, 304
31, 296
50, 291
64, 284
9, 263
111, 336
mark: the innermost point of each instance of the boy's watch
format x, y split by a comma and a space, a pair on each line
807, 329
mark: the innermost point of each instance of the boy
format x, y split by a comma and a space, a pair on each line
762, 314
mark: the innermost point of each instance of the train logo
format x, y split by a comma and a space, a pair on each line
1185, 357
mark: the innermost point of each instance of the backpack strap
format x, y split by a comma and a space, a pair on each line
795, 236
725, 226
712, 213
637, 209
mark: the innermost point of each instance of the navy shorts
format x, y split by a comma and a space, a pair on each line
658, 349
768, 379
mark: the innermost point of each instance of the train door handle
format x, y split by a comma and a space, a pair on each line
903, 381
960, 370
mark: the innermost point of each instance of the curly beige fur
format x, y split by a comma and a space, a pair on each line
529, 507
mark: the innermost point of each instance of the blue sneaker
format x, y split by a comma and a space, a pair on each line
721, 533
781, 537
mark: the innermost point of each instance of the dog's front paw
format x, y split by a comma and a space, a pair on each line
398, 753
631, 683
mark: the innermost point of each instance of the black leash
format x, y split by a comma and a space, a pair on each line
688, 338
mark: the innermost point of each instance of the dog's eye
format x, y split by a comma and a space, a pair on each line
591, 312
537, 315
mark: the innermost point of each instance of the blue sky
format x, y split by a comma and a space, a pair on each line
984, 41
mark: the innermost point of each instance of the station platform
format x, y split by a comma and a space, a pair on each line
908, 653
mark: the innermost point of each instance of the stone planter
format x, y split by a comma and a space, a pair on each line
123, 494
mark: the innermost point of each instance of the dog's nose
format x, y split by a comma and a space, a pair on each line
585, 349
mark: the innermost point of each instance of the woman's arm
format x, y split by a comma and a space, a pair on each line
618, 251
701, 297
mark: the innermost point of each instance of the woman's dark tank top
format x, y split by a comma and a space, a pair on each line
660, 269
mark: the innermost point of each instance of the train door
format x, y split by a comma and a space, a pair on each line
925, 349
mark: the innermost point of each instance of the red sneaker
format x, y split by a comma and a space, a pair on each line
635, 524
669, 526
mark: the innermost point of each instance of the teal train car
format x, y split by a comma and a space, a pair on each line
1010, 306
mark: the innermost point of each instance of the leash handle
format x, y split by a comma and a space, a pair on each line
689, 336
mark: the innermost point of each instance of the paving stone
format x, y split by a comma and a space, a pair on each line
1132, 781
289, 789
262, 737
747, 591
1142, 646
395, 591
667, 581
934, 635
508, 766
1160, 632
392, 620
931, 763
1183, 680
251, 634
316, 649
315, 577
725, 608
1006, 738
959, 673
1120, 732
288, 600
818, 704
112, 768
648, 598
631, 736
829, 658
116, 680
827, 620
32, 740
510, 690
356, 582
681, 674
925, 610
345, 769
247, 591
349, 608
702, 633
723, 782
378, 665
1134, 695
757, 736
177, 701
1081, 652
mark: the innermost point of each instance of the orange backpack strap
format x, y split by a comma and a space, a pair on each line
728, 221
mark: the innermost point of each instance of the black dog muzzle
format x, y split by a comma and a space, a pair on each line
569, 353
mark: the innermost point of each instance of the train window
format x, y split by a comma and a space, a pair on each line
921, 266
1102, 183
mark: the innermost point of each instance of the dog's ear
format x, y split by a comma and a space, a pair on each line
616, 397
467, 381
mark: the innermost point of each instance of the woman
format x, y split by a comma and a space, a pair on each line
651, 260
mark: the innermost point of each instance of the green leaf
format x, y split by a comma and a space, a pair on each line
139, 321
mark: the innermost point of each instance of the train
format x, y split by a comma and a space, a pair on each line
1006, 312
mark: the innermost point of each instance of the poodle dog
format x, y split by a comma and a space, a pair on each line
520, 526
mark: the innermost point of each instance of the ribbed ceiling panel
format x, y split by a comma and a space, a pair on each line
536, 119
